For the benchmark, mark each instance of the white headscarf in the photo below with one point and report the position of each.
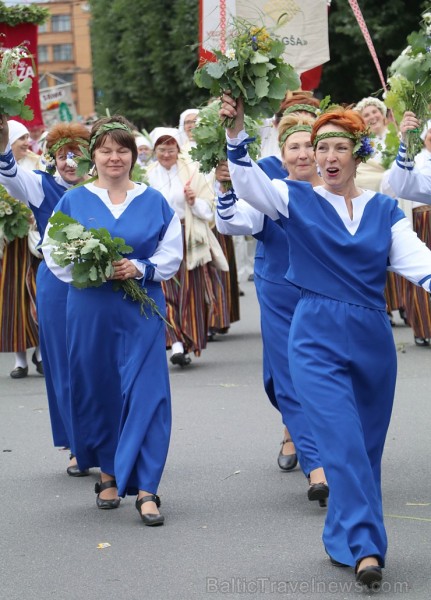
(16, 130)
(184, 138)
(143, 141)
(158, 132)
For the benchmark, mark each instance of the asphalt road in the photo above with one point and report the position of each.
(236, 526)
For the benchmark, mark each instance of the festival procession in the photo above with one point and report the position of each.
(262, 223)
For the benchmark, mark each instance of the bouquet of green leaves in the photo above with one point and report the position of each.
(210, 137)
(92, 252)
(410, 82)
(14, 219)
(14, 91)
(253, 68)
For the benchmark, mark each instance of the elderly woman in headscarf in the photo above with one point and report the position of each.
(369, 176)
(187, 123)
(18, 267)
(190, 295)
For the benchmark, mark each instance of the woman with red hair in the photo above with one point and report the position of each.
(41, 191)
(342, 239)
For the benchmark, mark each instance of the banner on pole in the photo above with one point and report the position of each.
(57, 104)
(301, 24)
(25, 34)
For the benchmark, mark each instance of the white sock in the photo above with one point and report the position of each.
(177, 347)
(20, 359)
(38, 354)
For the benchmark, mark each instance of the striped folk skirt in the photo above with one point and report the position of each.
(18, 320)
(226, 288)
(190, 307)
(417, 299)
(395, 291)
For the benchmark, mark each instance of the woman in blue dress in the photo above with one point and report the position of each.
(121, 412)
(41, 190)
(341, 240)
(277, 296)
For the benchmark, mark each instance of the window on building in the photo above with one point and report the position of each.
(62, 52)
(60, 23)
(43, 28)
(63, 78)
(42, 54)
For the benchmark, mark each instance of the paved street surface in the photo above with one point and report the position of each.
(236, 526)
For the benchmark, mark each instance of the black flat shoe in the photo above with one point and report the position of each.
(74, 470)
(286, 462)
(106, 504)
(38, 364)
(422, 341)
(181, 359)
(19, 372)
(318, 491)
(151, 520)
(370, 576)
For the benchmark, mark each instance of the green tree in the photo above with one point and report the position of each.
(351, 74)
(144, 56)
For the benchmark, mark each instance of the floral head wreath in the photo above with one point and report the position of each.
(291, 130)
(364, 147)
(49, 157)
(85, 162)
(301, 108)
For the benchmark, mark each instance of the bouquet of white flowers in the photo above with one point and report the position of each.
(410, 82)
(92, 252)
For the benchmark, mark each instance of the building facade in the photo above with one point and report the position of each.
(64, 52)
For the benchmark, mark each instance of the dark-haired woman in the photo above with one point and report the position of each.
(121, 412)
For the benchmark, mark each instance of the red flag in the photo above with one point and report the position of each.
(25, 34)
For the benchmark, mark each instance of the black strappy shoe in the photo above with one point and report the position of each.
(106, 504)
(75, 471)
(152, 520)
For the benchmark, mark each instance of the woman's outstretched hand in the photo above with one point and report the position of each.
(232, 109)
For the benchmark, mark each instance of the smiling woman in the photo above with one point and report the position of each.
(341, 241)
(121, 412)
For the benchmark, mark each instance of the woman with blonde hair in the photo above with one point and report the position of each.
(277, 297)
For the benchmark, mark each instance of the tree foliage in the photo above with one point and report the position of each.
(351, 74)
(144, 57)
(145, 54)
